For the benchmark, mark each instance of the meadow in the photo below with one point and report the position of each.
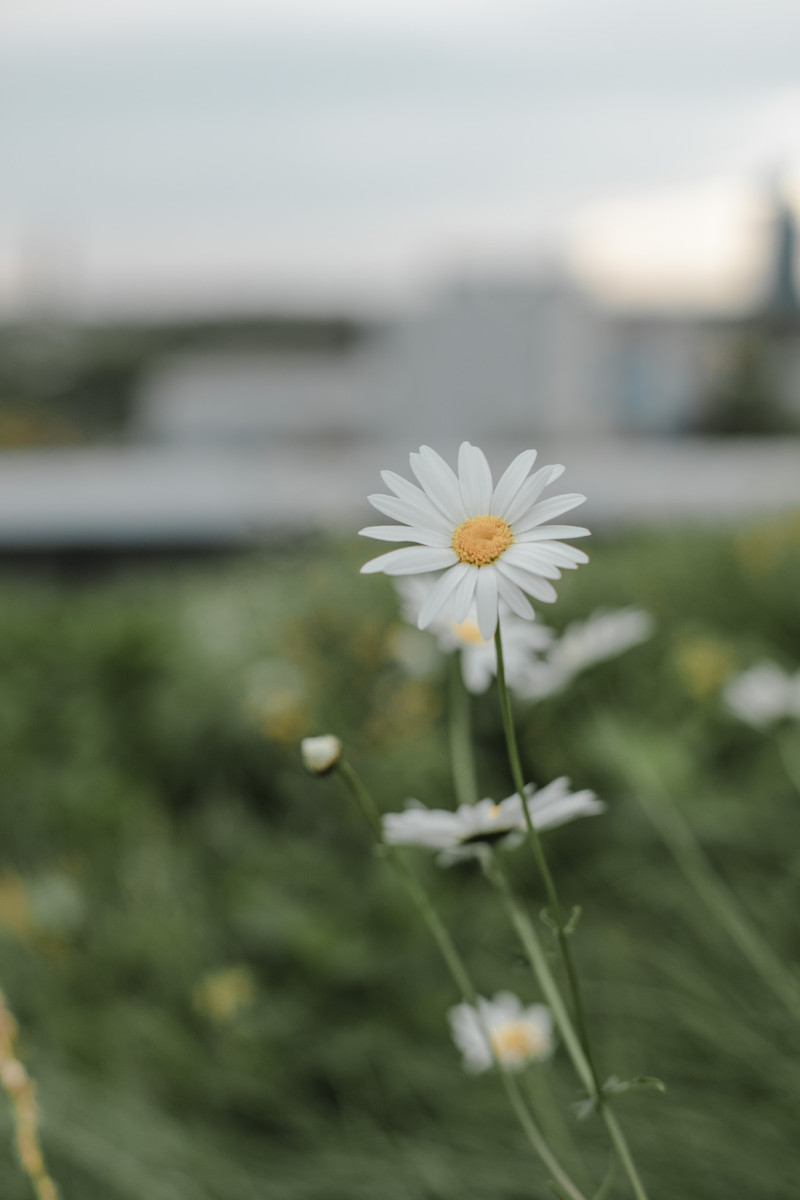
(222, 992)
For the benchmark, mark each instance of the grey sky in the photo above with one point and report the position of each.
(259, 147)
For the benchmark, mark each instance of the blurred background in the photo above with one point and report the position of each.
(250, 254)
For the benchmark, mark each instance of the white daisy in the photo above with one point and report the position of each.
(492, 543)
(502, 1028)
(467, 832)
(522, 639)
(764, 694)
(601, 636)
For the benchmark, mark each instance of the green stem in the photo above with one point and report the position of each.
(586, 1059)
(668, 821)
(462, 757)
(541, 862)
(526, 931)
(461, 977)
(788, 750)
(546, 1109)
(532, 946)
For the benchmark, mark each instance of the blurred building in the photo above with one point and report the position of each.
(233, 432)
(493, 357)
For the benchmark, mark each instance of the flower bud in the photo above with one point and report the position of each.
(13, 1076)
(321, 754)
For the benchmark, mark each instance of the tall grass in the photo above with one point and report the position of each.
(222, 996)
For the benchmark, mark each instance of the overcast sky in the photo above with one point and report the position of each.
(161, 151)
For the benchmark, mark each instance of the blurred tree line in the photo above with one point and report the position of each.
(63, 384)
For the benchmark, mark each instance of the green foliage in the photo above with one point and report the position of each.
(74, 383)
(223, 994)
(750, 399)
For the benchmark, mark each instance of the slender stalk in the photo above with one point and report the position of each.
(668, 821)
(461, 977)
(541, 862)
(535, 953)
(584, 1063)
(545, 1107)
(580, 1060)
(790, 757)
(22, 1093)
(462, 755)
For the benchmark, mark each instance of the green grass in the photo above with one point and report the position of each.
(159, 831)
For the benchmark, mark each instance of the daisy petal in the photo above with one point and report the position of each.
(533, 558)
(416, 496)
(440, 483)
(514, 597)
(486, 600)
(423, 516)
(559, 552)
(403, 533)
(551, 531)
(542, 512)
(440, 593)
(411, 560)
(511, 481)
(475, 480)
(533, 584)
(464, 595)
(530, 489)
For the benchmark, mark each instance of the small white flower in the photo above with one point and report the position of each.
(764, 694)
(320, 754)
(467, 832)
(522, 639)
(502, 1028)
(601, 636)
(492, 543)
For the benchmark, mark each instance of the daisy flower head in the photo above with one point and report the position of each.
(491, 542)
(603, 635)
(522, 639)
(502, 1029)
(473, 829)
(764, 694)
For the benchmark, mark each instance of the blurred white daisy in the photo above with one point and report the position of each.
(492, 543)
(522, 639)
(601, 636)
(473, 828)
(764, 694)
(502, 1028)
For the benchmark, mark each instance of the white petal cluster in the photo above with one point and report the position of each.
(320, 754)
(502, 1028)
(472, 828)
(603, 635)
(523, 640)
(432, 514)
(764, 694)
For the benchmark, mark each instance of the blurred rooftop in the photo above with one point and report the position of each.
(153, 498)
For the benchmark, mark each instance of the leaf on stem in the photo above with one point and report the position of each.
(640, 1083)
(546, 917)
(614, 1086)
(574, 917)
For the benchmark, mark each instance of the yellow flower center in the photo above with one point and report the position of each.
(467, 632)
(516, 1041)
(481, 540)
